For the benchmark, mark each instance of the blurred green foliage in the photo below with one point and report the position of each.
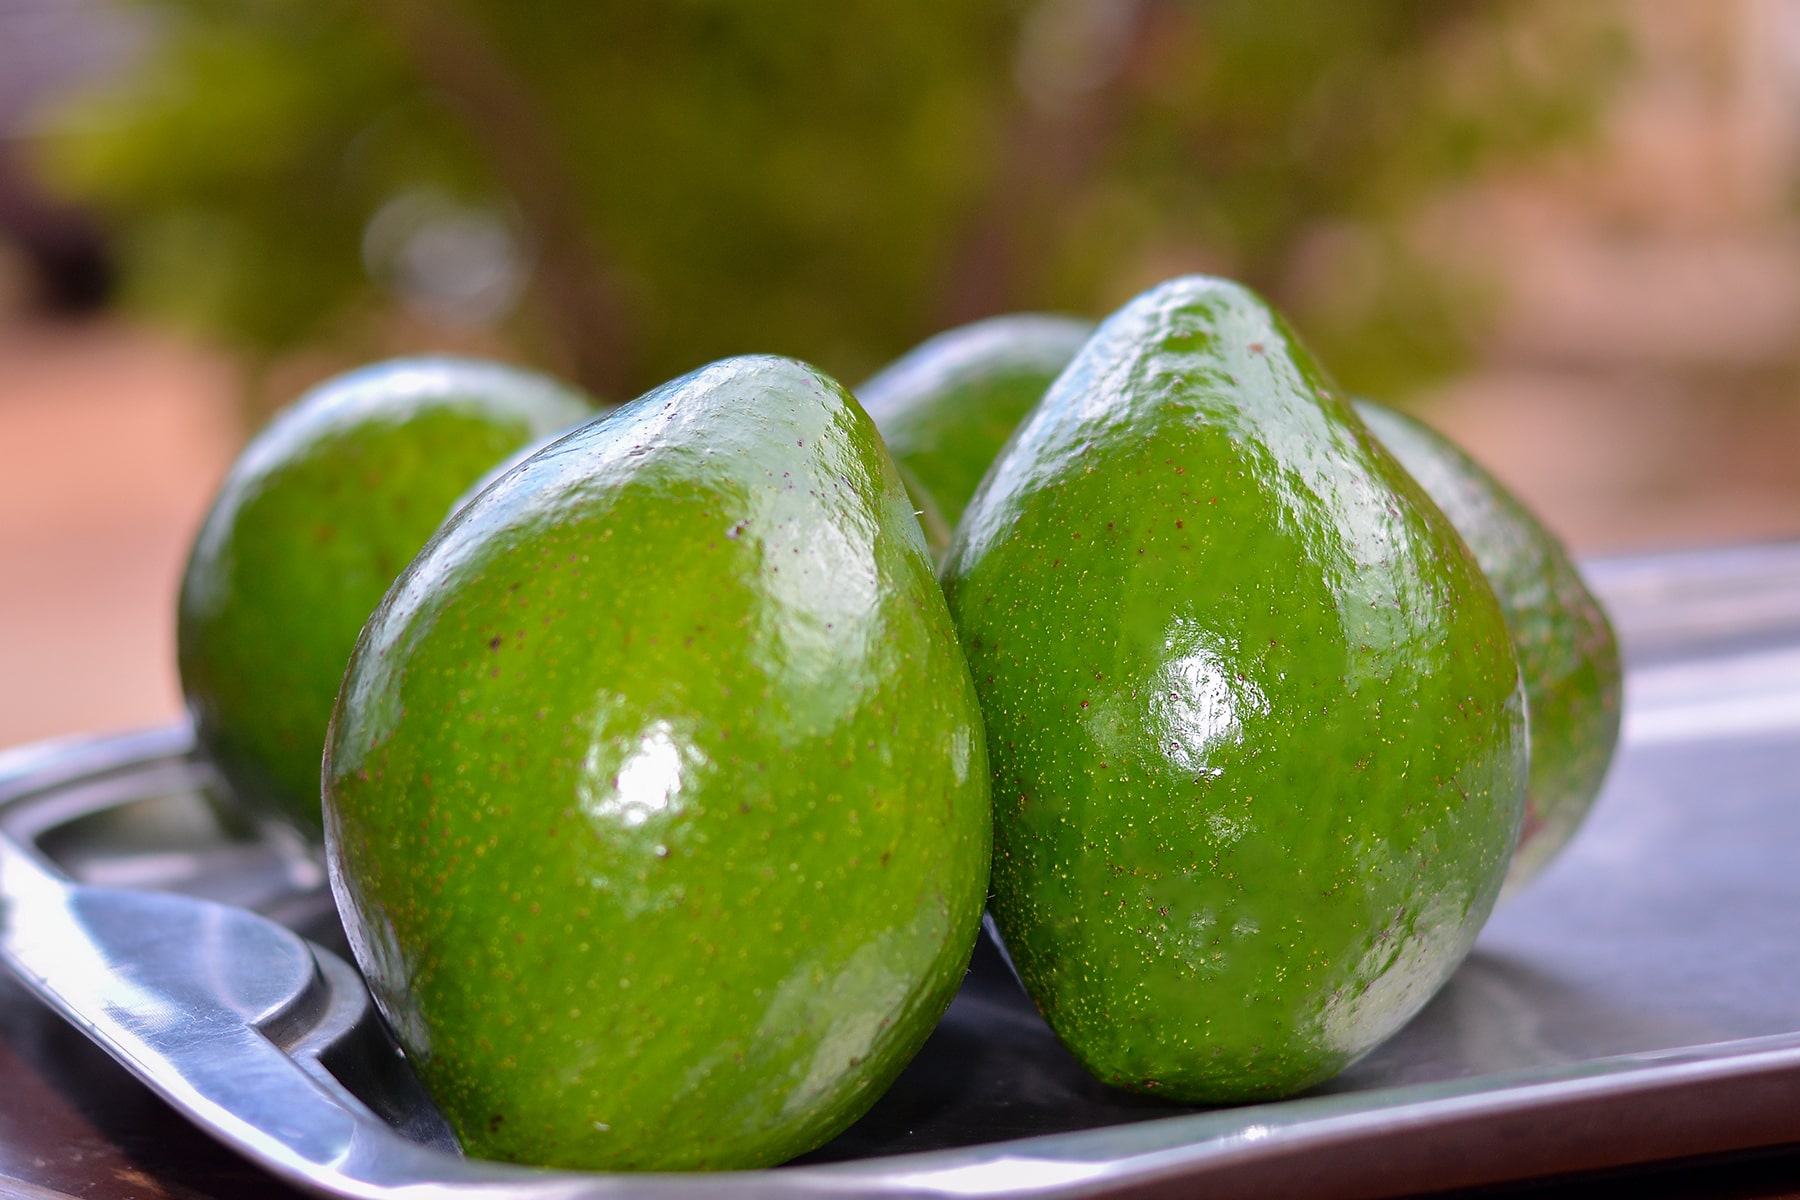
(694, 178)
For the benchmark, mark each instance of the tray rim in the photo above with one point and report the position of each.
(1361, 1143)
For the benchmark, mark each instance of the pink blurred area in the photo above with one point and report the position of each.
(1640, 382)
(112, 439)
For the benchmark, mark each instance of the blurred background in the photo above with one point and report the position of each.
(1567, 234)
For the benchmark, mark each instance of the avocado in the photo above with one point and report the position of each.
(948, 405)
(657, 795)
(1565, 643)
(311, 524)
(1256, 726)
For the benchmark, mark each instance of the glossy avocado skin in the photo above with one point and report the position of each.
(312, 523)
(1256, 727)
(948, 405)
(657, 800)
(1566, 646)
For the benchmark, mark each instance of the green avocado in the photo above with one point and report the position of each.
(656, 795)
(1256, 726)
(312, 523)
(949, 404)
(1566, 646)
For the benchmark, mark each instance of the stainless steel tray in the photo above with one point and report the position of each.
(1640, 1001)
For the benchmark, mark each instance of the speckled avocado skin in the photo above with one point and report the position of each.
(1565, 643)
(312, 523)
(657, 798)
(948, 405)
(1256, 725)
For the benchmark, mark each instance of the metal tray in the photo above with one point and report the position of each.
(1640, 1001)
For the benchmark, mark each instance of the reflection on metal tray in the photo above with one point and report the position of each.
(1641, 1000)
